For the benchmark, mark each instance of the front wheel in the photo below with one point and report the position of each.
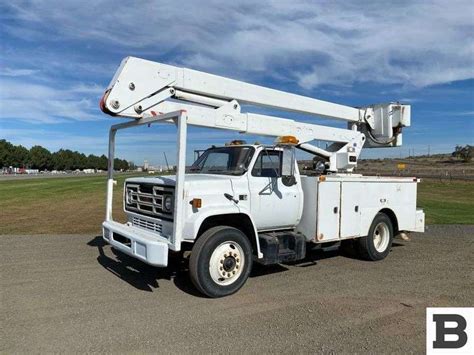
(378, 243)
(220, 261)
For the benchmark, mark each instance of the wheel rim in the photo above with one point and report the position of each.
(381, 237)
(226, 263)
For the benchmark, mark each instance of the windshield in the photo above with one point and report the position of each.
(225, 160)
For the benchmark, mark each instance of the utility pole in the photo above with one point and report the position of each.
(429, 150)
(166, 160)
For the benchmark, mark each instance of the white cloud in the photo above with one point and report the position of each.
(41, 103)
(83, 88)
(414, 43)
(17, 72)
(465, 113)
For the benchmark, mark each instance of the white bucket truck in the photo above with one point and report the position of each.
(245, 203)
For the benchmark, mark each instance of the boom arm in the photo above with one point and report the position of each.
(141, 88)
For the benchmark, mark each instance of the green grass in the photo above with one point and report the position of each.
(57, 205)
(447, 202)
(77, 204)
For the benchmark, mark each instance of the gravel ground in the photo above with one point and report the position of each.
(70, 293)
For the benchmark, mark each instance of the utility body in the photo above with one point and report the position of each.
(244, 203)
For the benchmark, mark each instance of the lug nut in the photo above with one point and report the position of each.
(115, 104)
(131, 86)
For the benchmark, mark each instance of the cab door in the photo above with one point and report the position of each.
(273, 204)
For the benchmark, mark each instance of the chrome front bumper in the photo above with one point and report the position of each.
(139, 243)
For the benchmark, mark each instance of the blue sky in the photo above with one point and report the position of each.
(57, 57)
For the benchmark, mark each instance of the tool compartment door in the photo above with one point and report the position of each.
(327, 221)
(351, 209)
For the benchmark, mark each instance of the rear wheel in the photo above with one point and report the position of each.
(377, 245)
(220, 261)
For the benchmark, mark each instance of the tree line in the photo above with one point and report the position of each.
(465, 153)
(41, 158)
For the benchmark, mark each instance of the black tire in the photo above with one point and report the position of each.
(221, 237)
(368, 247)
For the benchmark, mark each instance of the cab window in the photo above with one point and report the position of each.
(224, 160)
(268, 164)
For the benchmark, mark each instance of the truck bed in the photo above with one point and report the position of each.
(343, 206)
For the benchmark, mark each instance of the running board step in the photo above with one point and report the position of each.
(281, 247)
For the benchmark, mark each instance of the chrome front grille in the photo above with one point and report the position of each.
(147, 199)
(143, 223)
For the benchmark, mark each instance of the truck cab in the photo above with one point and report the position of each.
(254, 184)
(240, 182)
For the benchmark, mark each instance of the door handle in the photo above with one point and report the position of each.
(231, 198)
(335, 209)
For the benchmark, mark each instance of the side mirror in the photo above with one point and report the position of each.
(319, 167)
(288, 166)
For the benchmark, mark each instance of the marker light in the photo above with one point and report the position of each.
(196, 203)
(237, 142)
(286, 140)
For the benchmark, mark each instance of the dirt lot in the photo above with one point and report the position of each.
(70, 293)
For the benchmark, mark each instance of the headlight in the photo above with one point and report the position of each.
(167, 202)
(128, 196)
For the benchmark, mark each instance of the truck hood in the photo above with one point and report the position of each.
(170, 180)
(214, 190)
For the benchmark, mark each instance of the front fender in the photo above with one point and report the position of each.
(193, 223)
